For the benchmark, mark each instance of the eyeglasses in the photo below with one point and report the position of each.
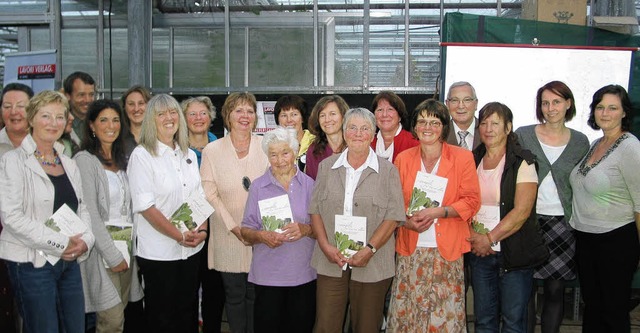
(465, 101)
(354, 129)
(193, 114)
(426, 123)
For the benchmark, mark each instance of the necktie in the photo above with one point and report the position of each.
(463, 141)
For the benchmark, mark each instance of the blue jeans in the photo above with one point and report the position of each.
(499, 295)
(50, 298)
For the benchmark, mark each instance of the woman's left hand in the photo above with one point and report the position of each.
(480, 245)
(361, 258)
(293, 231)
(195, 238)
(75, 248)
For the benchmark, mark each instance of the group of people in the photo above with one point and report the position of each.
(503, 208)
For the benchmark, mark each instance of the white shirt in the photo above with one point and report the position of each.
(381, 150)
(471, 130)
(353, 176)
(548, 202)
(428, 237)
(164, 181)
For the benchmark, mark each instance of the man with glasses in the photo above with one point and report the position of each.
(462, 104)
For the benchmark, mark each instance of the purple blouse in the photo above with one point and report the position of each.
(288, 265)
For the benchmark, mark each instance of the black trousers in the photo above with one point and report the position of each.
(285, 309)
(212, 295)
(171, 294)
(606, 264)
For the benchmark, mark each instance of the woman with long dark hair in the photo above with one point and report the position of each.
(107, 277)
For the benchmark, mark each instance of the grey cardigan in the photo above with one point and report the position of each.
(576, 149)
(99, 292)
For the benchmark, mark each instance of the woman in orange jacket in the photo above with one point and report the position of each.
(428, 291)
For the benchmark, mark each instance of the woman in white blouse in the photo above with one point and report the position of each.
(163, 174)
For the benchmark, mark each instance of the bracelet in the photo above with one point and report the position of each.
(206, 231)
(446, 212)
(181, 234)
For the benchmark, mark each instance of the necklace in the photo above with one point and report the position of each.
(55, 161)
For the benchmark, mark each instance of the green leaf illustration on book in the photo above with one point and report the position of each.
(479, 227)
(272, 223)
(419, 201)
(343, 243)
(183, 215)
(52, 225)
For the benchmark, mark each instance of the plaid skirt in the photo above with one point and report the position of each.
(427, 294)
(561, 241)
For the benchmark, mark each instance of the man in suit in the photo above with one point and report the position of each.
(463, 103)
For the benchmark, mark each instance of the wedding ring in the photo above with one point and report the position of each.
(73, 255)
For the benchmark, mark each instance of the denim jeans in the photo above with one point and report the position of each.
(50, 298)
(499, 295)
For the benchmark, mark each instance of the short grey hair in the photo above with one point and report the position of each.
(199, 99)
(360, 113)
(462, 84)
(280, 135)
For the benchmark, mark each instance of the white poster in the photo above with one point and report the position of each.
(36, 69)
(512, 76)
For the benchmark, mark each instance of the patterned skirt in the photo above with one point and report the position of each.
(427, 294)
(561, 241)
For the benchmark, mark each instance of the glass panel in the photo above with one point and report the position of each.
(348, 51)
(281, 57)
(79, 52)
(386, 48)
(40, 39)
(237, 52)
(160, 58)
(198, 58)
(119, 58)
(24, 7)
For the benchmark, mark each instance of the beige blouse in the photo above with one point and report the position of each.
(222, 172)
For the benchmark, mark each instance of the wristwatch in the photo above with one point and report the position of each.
(373, 248)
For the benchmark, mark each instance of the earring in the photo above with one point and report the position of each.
(93, 134)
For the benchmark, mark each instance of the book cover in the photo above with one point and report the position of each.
(275, 213)
(485, 220)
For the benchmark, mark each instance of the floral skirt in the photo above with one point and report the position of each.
(427, 294)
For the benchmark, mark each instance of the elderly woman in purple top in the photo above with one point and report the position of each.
(285, 282)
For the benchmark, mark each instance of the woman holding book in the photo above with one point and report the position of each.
(506, 242)
(163, 174)
(107, 277)
(37, 180)
(428, 292)
(278, 226)
(229, 166)
(357, 201)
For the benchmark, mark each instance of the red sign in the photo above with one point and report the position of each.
(45, 71)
